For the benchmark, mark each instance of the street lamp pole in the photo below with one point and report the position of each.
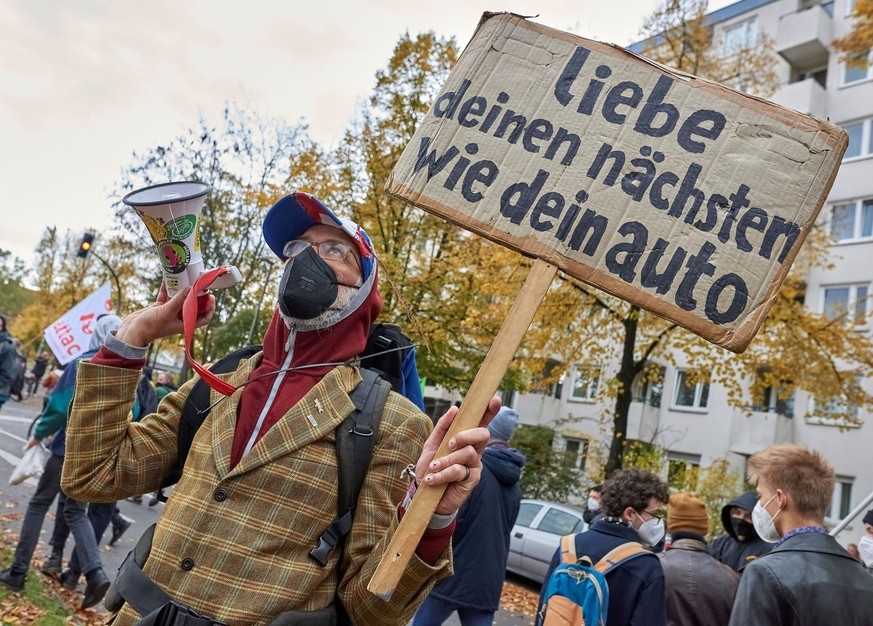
(114, 276)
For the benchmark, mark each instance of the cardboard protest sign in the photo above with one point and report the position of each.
(70, 335)
(677, 194)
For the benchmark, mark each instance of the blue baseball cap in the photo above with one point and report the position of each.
(294, 214)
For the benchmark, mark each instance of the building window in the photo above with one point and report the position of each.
(860, 138)
(683, 470)
(739, 37)
(836, 412)
(575, 453)
(586, 382)
(857, 70)
(846, 302)
(841, 502)
(852, 220)
(772, 402)
(688, 395)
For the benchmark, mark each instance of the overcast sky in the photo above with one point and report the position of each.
(85, 83)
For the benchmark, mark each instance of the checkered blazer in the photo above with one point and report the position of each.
(234, 544)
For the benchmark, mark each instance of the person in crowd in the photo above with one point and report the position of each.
(740, 544)
(8, 362)
(700, 590)
(594, 507)
(481, 543)
(16, 387)
(260, 481)
(40, 365)
(633, 508)
(75, 512)
(164, 385)
(808, 578)
(852, 549)
(865, 544)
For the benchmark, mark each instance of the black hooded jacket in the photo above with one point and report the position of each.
(731, 549)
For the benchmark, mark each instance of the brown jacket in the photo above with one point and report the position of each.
(700, 590)
(234, 544)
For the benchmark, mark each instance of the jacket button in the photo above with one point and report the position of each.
(187, 564)
(220, 495)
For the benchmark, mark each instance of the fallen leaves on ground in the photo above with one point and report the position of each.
(518, 599)
(16, 610)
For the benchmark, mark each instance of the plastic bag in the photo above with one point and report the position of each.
(31, 464)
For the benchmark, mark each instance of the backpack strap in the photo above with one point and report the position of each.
(568, 549)
(355, 439)
(619, 555)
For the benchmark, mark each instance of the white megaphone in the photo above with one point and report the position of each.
(171, 212)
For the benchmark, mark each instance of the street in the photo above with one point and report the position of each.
(16, 417)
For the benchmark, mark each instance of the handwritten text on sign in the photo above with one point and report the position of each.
(677, 194)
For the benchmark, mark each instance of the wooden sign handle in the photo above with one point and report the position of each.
(402, 546)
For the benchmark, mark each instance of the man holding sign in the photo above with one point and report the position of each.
(260, 483)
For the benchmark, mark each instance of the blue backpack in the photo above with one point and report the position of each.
(576, 592)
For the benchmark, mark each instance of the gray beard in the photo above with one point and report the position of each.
(330, 317)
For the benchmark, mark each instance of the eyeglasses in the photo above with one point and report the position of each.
(328, 250)
(658, 515)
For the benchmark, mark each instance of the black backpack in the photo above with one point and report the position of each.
(381, 371)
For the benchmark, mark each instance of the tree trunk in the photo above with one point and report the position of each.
(625, 378)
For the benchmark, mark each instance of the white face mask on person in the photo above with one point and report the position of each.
(651, 532)
(865, 548)
(764, 523)
(593, 504)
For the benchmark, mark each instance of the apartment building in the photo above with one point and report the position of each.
(694, 422)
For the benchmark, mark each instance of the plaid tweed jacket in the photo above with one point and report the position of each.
(234, 544)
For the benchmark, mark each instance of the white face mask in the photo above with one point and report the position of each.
(650, 532)
(593, 504)
(865, 547)
(764, 522)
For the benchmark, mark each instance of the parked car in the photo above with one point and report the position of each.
(537, 534)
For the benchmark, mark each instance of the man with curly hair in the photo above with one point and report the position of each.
(633, 507)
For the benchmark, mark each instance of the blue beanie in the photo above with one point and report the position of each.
(503, 425)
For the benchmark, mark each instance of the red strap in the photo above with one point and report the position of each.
(190, 310)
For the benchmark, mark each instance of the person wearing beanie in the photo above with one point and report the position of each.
(740, 543)
(481, 542)
(236, 537)
(503, 426)
(700, 590)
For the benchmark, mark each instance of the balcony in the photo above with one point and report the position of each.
(803, 37)
(757, 430)
(806, 96)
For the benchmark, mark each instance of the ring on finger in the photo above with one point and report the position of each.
(467, 475)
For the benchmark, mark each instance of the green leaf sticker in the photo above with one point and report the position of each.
(181, 227)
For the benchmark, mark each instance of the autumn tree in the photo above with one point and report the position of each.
(678, 34)
(856, 44)
(62, 280)
(250, 163)
(13, 293)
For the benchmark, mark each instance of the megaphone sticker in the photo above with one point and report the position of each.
(174, 255)
(181, 227)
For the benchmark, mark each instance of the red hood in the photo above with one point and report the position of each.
(339, 343)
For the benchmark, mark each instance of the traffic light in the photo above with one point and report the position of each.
(85, 246)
